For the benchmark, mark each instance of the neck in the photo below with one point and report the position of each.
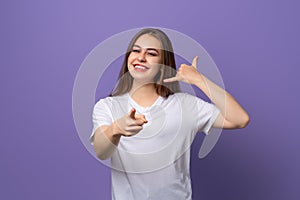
(142, 90)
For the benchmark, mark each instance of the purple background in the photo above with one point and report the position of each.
(254, 44)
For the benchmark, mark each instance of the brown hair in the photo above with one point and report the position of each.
(168, 64)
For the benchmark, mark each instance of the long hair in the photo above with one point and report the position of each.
(168, 67)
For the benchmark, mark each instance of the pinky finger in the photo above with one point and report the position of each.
(168, 80)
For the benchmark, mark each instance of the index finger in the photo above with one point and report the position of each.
(142, 117)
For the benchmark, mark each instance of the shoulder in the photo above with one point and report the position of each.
(108, 101)
(179, 97)
(189, 100)
(185, 96)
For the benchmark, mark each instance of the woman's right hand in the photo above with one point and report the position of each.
(130, 124)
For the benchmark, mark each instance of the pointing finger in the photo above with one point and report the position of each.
(194, 63)
(142, 117)
(139, 122)
(145, 120)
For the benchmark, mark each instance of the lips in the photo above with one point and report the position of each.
(139, 67)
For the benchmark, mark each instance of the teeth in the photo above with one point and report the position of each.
(140, 67)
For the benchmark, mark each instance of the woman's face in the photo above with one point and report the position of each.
(144, 59)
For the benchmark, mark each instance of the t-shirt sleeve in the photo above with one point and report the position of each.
(206, 115)
(101, 116)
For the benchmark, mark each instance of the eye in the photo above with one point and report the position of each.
(136, 50)
(152, 54)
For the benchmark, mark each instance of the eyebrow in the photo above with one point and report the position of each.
(135, 45)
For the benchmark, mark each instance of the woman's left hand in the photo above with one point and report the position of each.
(187, 73)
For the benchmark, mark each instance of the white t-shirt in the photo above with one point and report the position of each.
(155, 163)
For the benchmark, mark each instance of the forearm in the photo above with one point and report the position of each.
(231, 110)
(106, 140)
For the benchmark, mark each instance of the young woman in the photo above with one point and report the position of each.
(146, 126)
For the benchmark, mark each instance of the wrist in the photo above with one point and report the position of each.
(198, 80)
(116, 131)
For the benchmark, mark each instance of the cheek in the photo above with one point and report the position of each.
(155, 69)
(131, 56)
(129, 60)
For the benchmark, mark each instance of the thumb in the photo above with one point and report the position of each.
(194, 63)
(132, 113)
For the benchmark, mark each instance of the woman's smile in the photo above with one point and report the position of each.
(140, 68)
(145, 58)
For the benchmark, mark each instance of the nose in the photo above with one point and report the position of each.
(141, 56)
